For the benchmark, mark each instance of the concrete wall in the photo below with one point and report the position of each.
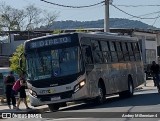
(158, 39)
(10, 48)
(4, 61)
(158, 44)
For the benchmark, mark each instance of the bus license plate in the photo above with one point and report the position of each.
(55, 98)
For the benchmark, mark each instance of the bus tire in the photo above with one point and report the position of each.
(129, 92)
(53, 107)
(102, 94)
(63, 104)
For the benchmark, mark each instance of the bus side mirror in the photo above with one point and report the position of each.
(20, 62)
(24, 54)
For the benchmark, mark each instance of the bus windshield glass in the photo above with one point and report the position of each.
(53, 63)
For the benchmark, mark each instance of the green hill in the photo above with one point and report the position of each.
(114, 23)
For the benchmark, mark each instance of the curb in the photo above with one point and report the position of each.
(70, 103)
(43, 110)
(138, 89)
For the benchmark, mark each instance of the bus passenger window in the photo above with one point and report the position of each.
(131, 53)
(113, 52)
(87, 54)
(97, 53)
(136, 51)
(125, 51)
(119, 51)
(105, 51)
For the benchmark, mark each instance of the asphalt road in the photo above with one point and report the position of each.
(143, 104)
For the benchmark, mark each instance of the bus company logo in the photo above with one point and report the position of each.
(6, 115)
(52, 85)
(51, 91)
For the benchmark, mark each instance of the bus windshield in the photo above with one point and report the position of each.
(53, 63)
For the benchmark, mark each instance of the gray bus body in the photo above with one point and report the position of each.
(72, 67)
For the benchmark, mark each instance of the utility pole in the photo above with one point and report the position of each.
(106, 19)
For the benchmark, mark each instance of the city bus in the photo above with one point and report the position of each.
(80, 67)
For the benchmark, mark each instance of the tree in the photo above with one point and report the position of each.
(49, 18)
(10, 17)
(33, 18)
(28, 18)
(80, 30)
(14, 60)
(57, 31)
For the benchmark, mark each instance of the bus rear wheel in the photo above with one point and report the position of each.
(53, 107)
(129, 92)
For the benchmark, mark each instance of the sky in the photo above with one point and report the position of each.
(96, 12)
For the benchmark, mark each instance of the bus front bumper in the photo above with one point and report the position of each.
(69, 96)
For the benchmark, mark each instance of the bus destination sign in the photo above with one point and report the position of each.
(49, 42)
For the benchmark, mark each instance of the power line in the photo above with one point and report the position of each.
(131, 14)
(139, 5)
(150, 13)
(67, 6)
(156, 19)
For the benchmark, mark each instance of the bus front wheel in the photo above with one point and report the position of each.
(53, 107)
(102, 97)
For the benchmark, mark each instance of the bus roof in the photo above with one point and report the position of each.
(44, 37)
(38, 42)
(109, 36)
(91, 34)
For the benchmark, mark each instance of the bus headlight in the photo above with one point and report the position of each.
(79, 85)
(33, 93)
(82, 83)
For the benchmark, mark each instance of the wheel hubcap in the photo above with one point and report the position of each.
(130, 88)
(100, 94)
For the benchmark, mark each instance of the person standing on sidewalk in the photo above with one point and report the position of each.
(22, 93)
(155, 73)
(9, 82)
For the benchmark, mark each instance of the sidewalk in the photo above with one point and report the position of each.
(149, 86)
(22, 107)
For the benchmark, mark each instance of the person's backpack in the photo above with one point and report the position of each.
(16, 86)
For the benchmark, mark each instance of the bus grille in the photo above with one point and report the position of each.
(63, 95)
